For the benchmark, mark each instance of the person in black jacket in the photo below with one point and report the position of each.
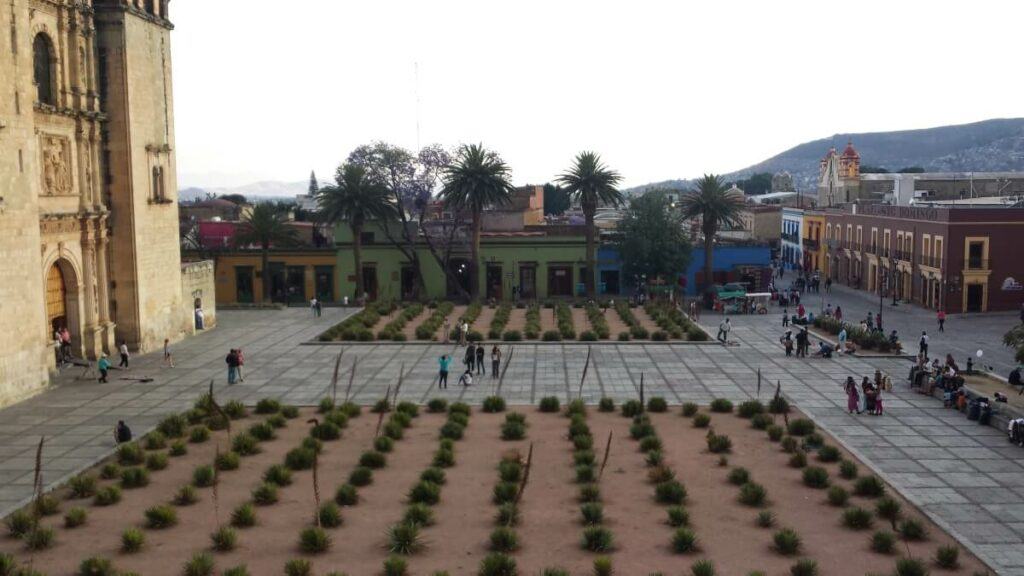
(480, 351)
(470, 356)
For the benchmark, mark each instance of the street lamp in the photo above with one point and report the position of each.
(892, 266)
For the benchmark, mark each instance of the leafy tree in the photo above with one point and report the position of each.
(759, 183)
(265, 225)
(592, 183)
(911, 170)
(868, 169)
(556, 200)
(478, 178)
(716, 208)
(652, 239)
(314, 186)
(236, 198)
(354, 199)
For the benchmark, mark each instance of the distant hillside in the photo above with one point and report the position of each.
(266, 190)
(987, 146)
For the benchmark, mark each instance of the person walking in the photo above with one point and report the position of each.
(495, 361)
(319, 308)
(723, 331)
(123, 351)
(104, 367)
(828, 285)
(941, 317)
(923, 345)
(470, 358)
(839, 313)
(232, 361)
(312, 306)
(785, 317)
(442, 378)
(480, 351)
(465, 331)
(842, 339)
(168, 359)
(852, 397)
(787, 342)
(241, 363)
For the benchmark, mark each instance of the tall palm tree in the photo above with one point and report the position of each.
(355, 198)
(265, 225)
(591, 183)
(716, 207)
(476, 179)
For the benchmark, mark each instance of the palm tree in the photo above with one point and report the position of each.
(476, 179)
(354, 198)
(716, 207)
(265, 225)
(591, 183)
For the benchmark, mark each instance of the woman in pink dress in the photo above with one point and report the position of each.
(852, 395)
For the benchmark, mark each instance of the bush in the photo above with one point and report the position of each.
(789, 444)
(749, 409)
(82, 486)
(606, 404)
(95, 566)
(39, 538)
(173, 426)
(752, 494)
(689, 409)
(107, 496)
(493, 404)
(437, 405)
(719, 444)
(775, 432)
(677, 516)
(778, 405)
(869, 487)
(800, 427)
(650, 443)
(185, 496)
(590, 493)
(592, 513)
(155, 441)
(857, 518)
(433, 474)
(161, 516)
(847, 469)
(505, 492)
(623, 337)
(551, 336)
(659, 474)
(130, 455)
(508, 514)
(325, 431)
(404, 538)
(549, 404)
(701, 421)
(910, 567)
(828, 453)
(452, 430)
(739, 476)
(235, 410)
(199, 434)
(497, 564)
(510, 471)
(911, 529)
(702, 568)
(298, 567)
(201, 564)
(278, 474)
(314, 540)
(883, 542)
(277, 421)
(657, 404)
(632, 408)
(425, 493)
(244, 516)
(203, 476)
(346, 495)
(815, 477)
(947, 557)
(227, 461)
(888, 508)
(721, 405)
(798, 459)
(289, 411)
(684, 540)
(351, 409)
(268, 406)
(813, 441)
(443, 458)
(838, 496)
(73, 518)
(512, 336)
(239, 570)
(504, 539)
(761, 421)
(597, 539)
(786, 542)
(134, 478)
(373, 460)
(765, 519)
(383, 444)
(805, 567)
(224, 539)
(419, 514)
(265, 494)
(670, 492)
(300, 458)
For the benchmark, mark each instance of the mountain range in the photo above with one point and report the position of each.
(988, 146)
(266, 190)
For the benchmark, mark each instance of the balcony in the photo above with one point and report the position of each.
(903, 255)
(977, 264)
(932, 261)
(811, 244)
(789, 237)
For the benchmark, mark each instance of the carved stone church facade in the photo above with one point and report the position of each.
(88, 215)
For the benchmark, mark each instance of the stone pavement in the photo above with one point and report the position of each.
(965, 334)
(967, 477)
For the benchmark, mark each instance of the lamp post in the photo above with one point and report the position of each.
(892, 266)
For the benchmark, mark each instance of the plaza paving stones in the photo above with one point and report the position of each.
(966, 477)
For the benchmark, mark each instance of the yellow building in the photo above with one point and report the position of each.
(295, 275)
(813, 241)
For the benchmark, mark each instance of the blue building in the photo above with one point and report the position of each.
(731, 263)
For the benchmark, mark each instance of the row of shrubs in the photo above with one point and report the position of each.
(504, 540)
(598, 323)
(563, 318)
(672, 321)
(636, 331)
(867, 339)
(358, 327)
(429, 327)
(393, 330)
(532, 328)
(500, 320)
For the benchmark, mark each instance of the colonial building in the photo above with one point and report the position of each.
(791, 252)
(839, 177)
(88, 214)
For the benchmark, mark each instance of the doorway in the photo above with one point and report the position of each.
(243, 285)
(975, 297)
(459, 269)
(609, 282)
(528, 281)
(408, 283)
(324, 283)
(370, 285)
(62, 301)
(559, 280)
(494, 281)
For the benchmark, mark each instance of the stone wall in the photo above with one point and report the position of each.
(198, 290)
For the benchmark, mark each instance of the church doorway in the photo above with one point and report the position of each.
(61, 301)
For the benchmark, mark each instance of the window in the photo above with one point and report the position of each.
(937, 245)
(149, 7)
(43, 65)
(976, 255)
(366, 237)
(158, 184)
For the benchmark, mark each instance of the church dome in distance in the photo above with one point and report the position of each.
(850, 152)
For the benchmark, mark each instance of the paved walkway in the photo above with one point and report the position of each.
(965, 476)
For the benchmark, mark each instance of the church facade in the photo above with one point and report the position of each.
(839, 177)
(88, 212)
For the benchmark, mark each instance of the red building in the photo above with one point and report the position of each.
(962, 259)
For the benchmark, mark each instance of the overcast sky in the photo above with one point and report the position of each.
(268, 90)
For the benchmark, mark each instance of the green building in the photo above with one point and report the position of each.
(537, 261)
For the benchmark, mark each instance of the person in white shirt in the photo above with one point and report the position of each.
(123, 351)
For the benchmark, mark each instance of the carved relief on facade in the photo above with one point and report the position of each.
(53, 226)
(56, 165)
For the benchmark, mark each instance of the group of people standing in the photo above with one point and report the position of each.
(867, 398)
(473, 360)
(235, 361)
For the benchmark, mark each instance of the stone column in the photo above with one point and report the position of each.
(90, 332)
(103, 292)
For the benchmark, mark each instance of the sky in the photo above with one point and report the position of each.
(265, 91)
